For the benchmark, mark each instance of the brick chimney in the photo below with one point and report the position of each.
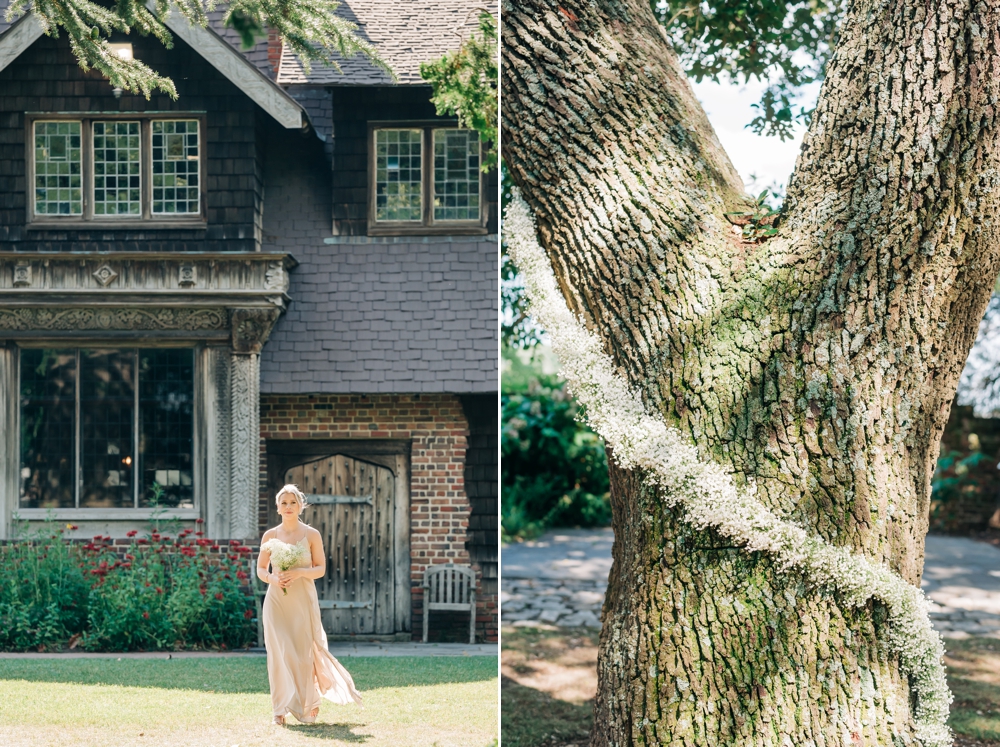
(273, 52)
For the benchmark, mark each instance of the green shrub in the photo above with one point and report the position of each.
(164, 594)
(554, 470)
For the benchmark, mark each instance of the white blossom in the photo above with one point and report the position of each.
(709, 497)
(285, 556)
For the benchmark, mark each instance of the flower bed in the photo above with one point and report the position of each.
(162, 592)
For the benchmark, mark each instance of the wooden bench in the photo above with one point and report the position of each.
(450, 587)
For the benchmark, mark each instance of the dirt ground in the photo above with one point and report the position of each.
(549, 681)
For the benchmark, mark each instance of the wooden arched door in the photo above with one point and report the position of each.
(351, 504)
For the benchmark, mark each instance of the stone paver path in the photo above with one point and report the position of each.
(962, 580)
(560, 579)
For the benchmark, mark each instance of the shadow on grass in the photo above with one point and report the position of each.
(531, 718)
(973, 666)
(340, 732)
(244, 675)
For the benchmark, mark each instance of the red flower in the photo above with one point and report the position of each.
(204, 542)
(199, 534)
(98, 536)
(248, 615)
(241, 576)
(156, 535)
(245, 550)
(126, 565)
(203, 590)
(129, 557)
(132, 533)
(73, 526)
(145, 615)
(218, 595)
(142, 541)
(159, 590)
(234, 543)
(228, 576)
(199, 521)
(188, 551)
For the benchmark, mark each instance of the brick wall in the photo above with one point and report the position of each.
(439, 508)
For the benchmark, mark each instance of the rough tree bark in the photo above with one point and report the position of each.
(821, 362)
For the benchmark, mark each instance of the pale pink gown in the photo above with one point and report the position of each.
(300, 668)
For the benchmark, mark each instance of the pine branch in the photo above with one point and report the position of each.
(309, 27)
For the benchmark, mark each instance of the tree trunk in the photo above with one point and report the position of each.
(820, 363)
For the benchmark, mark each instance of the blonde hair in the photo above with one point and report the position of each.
(300, 497)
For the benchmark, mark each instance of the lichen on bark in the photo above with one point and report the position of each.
(818, 366)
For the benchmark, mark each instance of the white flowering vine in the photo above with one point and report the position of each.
(707, 495)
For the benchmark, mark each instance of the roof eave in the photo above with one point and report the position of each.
(212, 47)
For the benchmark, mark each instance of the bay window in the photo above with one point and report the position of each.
(106, 428)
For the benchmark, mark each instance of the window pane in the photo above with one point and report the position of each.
(58, 182)
(175, 166)
(107, 387)
(456, 175)
(116, 168)
(398, 175)
(48, 408)
(166, 426)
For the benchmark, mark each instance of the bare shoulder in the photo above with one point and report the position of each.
(269, 535)
(313, 535)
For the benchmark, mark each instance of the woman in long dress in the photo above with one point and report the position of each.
(300, 668)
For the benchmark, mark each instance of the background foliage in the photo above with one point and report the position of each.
(466, 84)
(554, 471)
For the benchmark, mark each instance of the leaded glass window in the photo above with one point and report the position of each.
(175, 166)
(398, 183)
(107, 428)
(58, 168)
(48, 424)
(456, 175)
(107, 413)
(117, 190)
(166, 427)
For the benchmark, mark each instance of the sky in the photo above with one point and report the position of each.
(729, 110)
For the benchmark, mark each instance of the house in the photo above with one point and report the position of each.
(278, 277)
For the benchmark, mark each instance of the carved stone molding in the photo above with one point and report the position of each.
(54, 318)
(244, 444)
(22, 275)
(186, 276)
(275, 277)
(105, 275)
(251, 328)
(244, 279)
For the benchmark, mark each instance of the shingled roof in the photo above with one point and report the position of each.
(406, 33)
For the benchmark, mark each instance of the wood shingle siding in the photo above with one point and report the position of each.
(351, 110)
(45, 78)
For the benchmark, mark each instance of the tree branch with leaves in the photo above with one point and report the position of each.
(310, 28)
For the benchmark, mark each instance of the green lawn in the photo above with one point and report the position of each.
(432, 701)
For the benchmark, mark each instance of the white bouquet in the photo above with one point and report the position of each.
(285, 556)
